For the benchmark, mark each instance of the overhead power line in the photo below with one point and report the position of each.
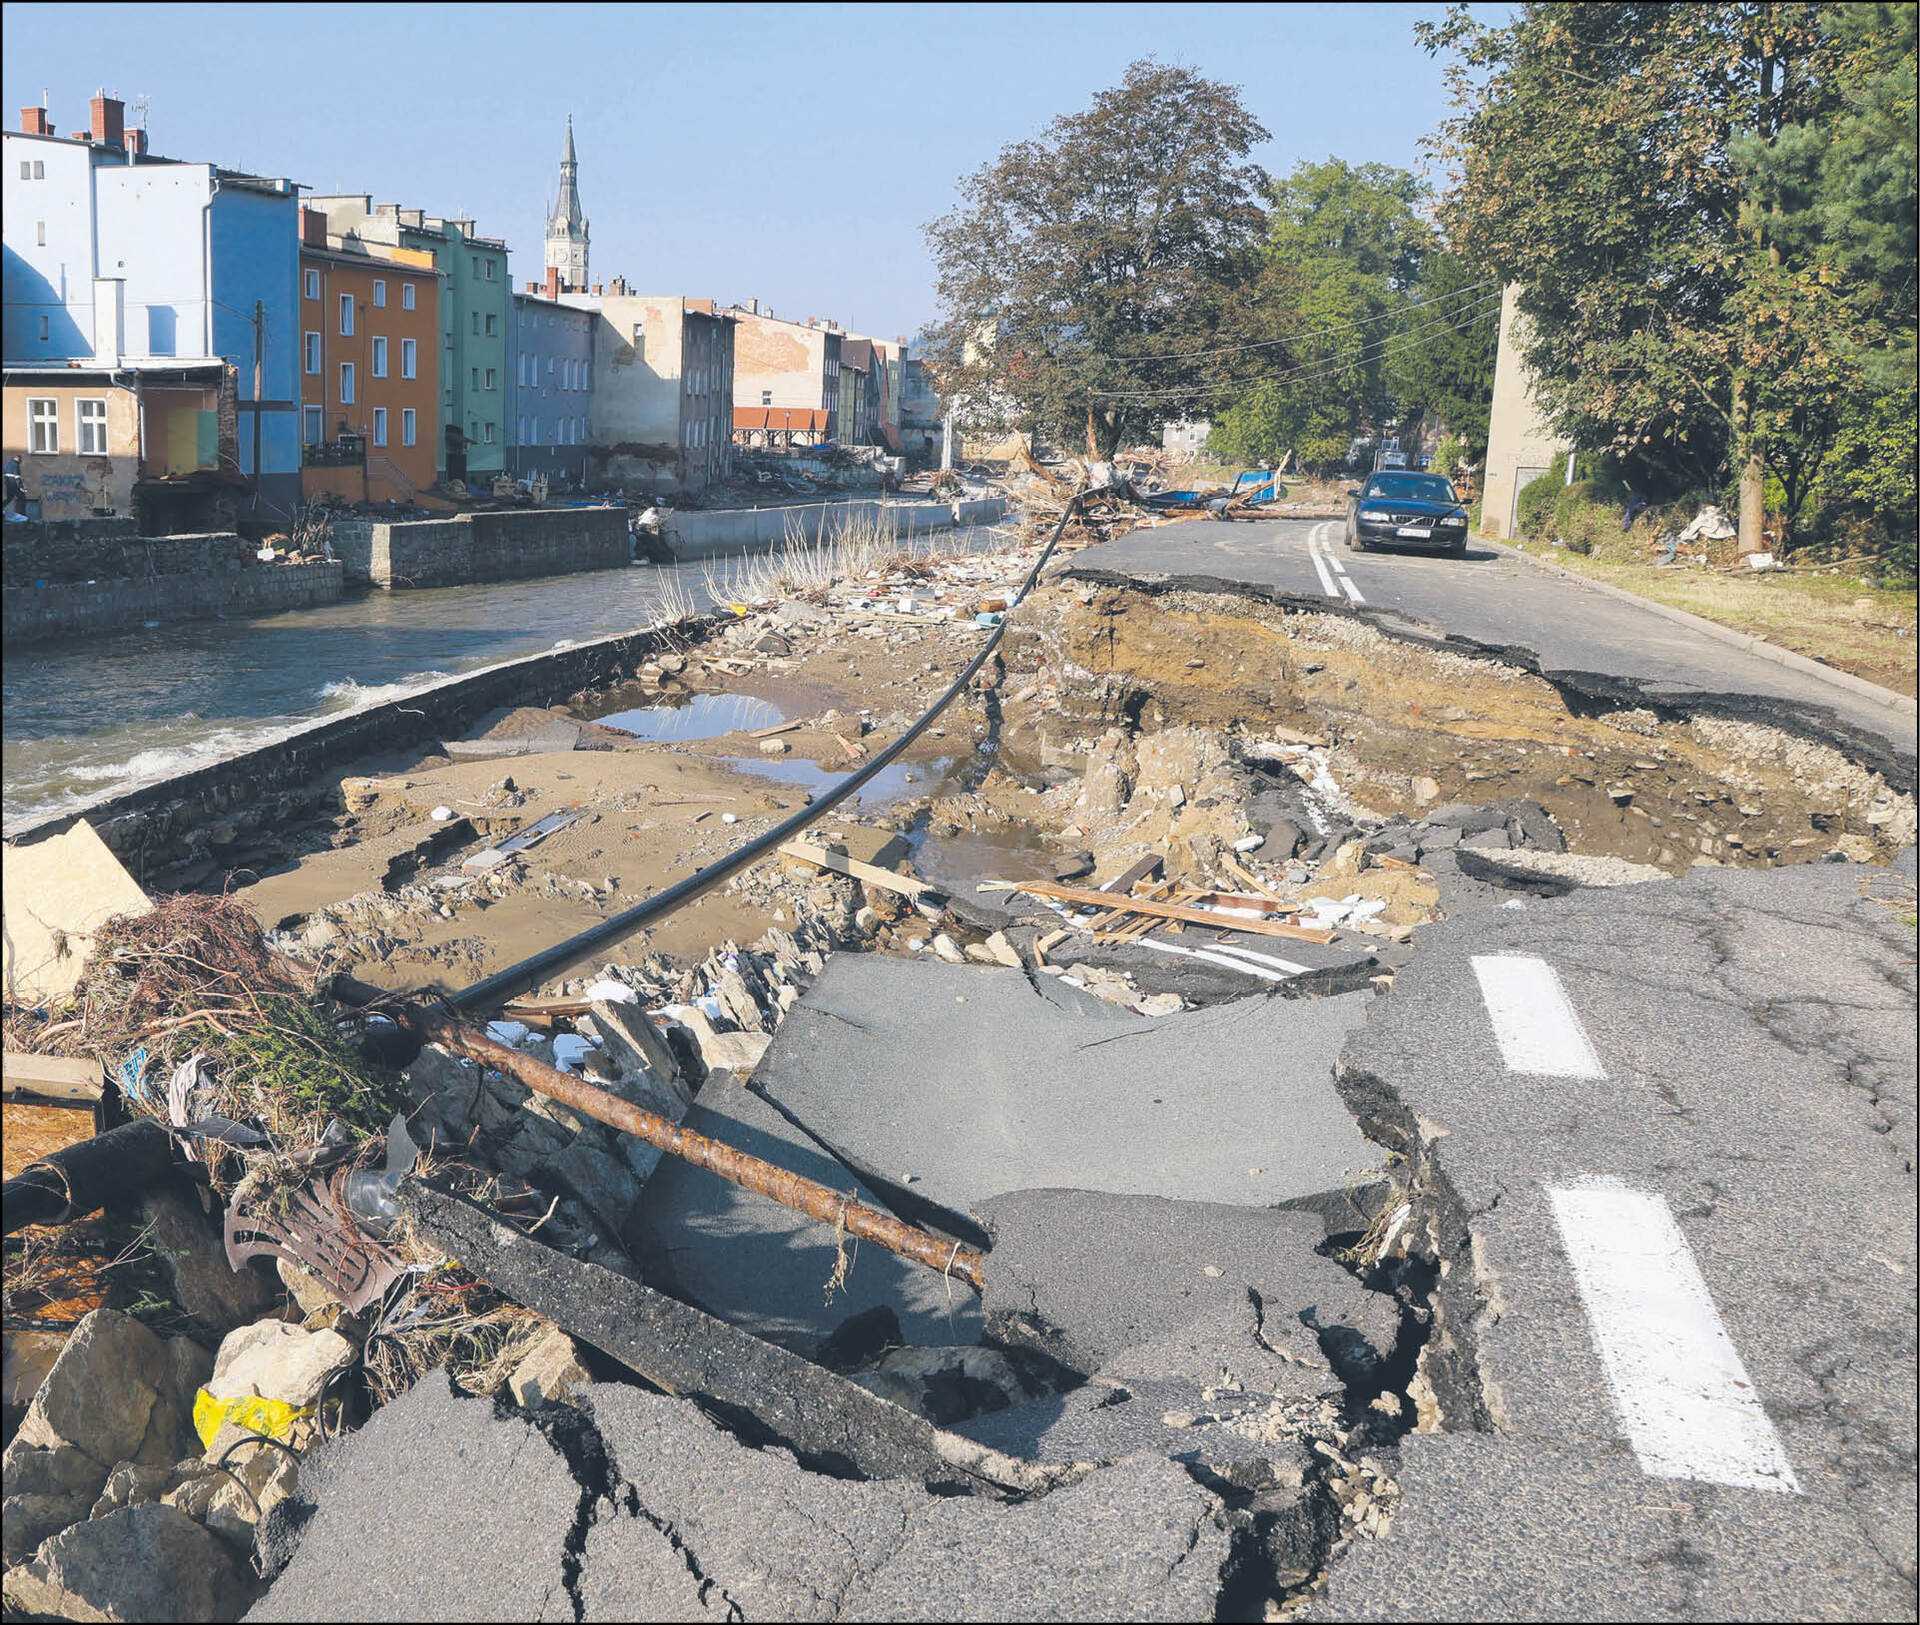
(1325, 366)
(1435, 302)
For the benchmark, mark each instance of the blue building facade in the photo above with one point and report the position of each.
(549, 389)
(208, 260)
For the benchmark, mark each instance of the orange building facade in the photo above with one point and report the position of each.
(369, 369)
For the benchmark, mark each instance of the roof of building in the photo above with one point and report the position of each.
(87, 366)
(856, 353)
(567, 217)
(807, 419)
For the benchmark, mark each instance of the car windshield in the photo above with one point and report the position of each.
(1411, 488)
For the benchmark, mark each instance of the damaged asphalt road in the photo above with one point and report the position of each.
(1674, 1192)
(1504, 604)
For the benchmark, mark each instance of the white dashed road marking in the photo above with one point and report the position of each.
(1538, 1028)
(1683, 1397)
(1320, 564)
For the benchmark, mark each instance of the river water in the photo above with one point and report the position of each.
(106, 713)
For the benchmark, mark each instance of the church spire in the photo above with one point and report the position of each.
(567, 224)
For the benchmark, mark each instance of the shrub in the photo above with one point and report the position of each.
(1535, 508)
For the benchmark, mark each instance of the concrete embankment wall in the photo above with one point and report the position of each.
(85, 577)
(503, 546)
(158, 827)
(704, 533)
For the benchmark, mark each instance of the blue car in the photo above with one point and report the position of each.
(1403, 509)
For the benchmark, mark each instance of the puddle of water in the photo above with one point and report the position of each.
(699, 716)
(958, 863)
(899, 781)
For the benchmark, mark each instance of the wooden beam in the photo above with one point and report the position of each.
(53, 1077)
(1165, 911)
(853, 868)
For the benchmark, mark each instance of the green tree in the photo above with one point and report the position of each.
(1653, 176)
(1088, 276)
(1345, 247)
(1440, 362)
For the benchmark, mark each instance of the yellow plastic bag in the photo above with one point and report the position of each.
(272, 1417)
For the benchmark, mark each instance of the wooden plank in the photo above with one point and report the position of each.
(1165, 911)
(777, 728)
(1246, 877)
(53, 1077)
(871, 874)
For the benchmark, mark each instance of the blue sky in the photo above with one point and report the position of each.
(788, 152)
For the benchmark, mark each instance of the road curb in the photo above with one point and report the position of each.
(1753, 644)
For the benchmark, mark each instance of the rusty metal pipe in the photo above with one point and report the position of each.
(803, 1195)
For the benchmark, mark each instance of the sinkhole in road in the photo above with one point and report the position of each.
(1410, 725)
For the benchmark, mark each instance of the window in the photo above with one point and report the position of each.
(313, 425)
(476, 263)
(489, 434)
(379, 357)
(476, 324)
(406, 296)
(534, 438)
(639, 342)
(39, 170)
(492, 326)
(40, 232)
(312, 278)
(409, 357)
(310, 351)
(346, 313)
(550, 367)
(489, 266)
(379, 425)
(45, 330)
(346, 383)
(379, 294)
(406, 426)
(766, 397)
(91, 419)
(493, 379)
(43, 425)
(476, 379)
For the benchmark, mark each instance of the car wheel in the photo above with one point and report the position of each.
(1458, 550)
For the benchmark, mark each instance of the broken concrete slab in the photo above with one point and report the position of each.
(765, 1540)
(760, 1265)
(438, 1508)
(1197, 1292)
(56, 893)
(883, 1063)
(769, 1392)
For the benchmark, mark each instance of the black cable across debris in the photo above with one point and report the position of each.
(497, 987)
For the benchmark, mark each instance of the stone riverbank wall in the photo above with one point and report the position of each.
(74, 578)
(502, 546)
(707, 533)
(162, 829)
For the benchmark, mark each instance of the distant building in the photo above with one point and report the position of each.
(785, 363)
(567, 224)
(549, 385)
(169, 275)
(921, 411)
(474, 319)
(1186, 436)
(861, 392)
(661, 414)
(1521, 444)
(369, 368)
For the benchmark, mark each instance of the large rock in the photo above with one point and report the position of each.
(118, 1392)
(277, 1361)
(550, 1371)
(205, 1285)
(140, 1563)
(25, 1359)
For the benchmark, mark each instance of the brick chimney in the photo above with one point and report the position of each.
(313, 228)
(552, 289)
(34, 121)
(109, 120)
(136, 143)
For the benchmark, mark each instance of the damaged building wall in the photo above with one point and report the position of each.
(783, 363)
(500, 546)
(661, 408)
